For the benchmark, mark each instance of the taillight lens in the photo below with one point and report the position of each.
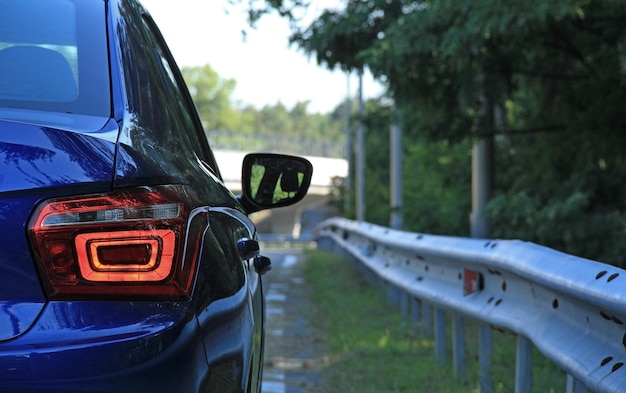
(137, 243)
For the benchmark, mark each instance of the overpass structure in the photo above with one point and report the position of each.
(293, 220)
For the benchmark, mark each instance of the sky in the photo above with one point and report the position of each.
(266, 69)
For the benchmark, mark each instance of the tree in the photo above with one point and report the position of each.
(212, 96)
(552, 75)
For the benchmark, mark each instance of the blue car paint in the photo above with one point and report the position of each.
(70, 333)
(36, 157)
(96, 346)
(34, 160)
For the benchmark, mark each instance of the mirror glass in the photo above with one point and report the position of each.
(277, 180)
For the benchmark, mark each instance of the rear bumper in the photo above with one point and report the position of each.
(107, 347)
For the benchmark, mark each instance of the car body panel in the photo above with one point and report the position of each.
(94, 125)
(228, 299)
(35, 157)
(38, 158)
(134, 346)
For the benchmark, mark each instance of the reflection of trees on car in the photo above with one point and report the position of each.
(275, 181)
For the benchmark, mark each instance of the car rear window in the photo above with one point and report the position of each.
(53, 56)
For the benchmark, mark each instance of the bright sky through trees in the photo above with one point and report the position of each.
(265, 68)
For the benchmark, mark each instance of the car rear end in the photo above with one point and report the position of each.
(95, 281)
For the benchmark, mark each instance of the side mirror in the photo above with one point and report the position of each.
(273, 180)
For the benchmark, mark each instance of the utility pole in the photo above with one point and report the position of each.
(360, 157)
(349, 156)
(482, 185)
(396, 185)
(482, 172)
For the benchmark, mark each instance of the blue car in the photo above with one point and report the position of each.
(126, 265)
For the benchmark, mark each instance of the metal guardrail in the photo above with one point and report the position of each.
(571, 309)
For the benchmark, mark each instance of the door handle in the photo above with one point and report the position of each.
(262, 264)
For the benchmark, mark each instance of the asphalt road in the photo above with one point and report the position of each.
(294, 350)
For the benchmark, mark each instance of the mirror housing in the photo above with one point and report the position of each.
(270, 180)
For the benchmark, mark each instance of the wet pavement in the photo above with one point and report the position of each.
(294, 350)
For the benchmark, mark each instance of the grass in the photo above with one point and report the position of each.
(373, 348)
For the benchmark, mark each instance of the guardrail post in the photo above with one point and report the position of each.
(485, 351)
(458, 346)
(393, 294)
(327, 244)
(415, 313)
(523, 365)
(440, 335)
(574, 386)
(427, 319)
(387, 289)
(404, 302)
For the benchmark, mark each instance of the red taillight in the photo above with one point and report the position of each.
(126, 244)
(126, 255)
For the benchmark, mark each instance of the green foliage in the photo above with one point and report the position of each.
(438, 187)
(580, 212)
(218, 111)
(376, 129)
(371, 348)
(212, 96)
(436, 177)
(548, 77)
(340, 38)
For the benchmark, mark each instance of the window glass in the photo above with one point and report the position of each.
(53, 56)
(156, 90)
